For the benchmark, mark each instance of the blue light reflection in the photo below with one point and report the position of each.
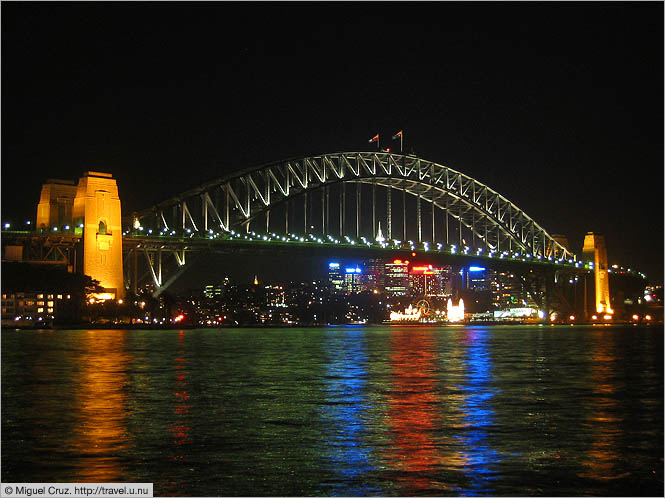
(481, 458)
(347, 411)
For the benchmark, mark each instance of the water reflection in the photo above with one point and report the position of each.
(101, 406)
(413, 412)
(602, 460)
(347, 407)
(179, 428)
(376, 411)
(478, 391)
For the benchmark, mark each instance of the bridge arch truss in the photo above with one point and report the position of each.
(326, 194)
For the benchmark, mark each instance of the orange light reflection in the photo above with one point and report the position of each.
(101, 406)
(602, 457)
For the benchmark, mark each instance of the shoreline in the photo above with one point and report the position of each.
(112, 326)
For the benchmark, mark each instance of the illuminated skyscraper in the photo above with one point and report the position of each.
(476, 278)
(353, 280)
(508, 291)
(336, 277)
(397, 278)
(374, 275)
(217, 291)
(427, 280)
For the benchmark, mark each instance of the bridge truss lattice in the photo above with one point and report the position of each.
(351, 193)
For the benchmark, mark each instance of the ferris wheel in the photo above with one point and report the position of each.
(423, 306)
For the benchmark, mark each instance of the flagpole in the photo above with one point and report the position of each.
(400, 134)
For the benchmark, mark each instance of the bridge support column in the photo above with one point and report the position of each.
(135, 271)
(373, 209)
(97, 207)
(459, 214)
(549, 284)
(327, 189)
(447, 215)
(323, 211)
(358, 193)
(389, 214)
(595, 250)
(419, 219)
(204, 210)
(403, 210)
(342, 209)
(487, 246)
(433, 220)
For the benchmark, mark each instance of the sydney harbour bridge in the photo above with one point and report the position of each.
(366, 204)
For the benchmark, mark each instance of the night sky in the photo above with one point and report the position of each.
(557, 106)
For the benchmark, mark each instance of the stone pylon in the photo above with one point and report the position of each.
(595, 250)
(97, 207)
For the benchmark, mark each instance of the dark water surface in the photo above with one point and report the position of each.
(350, 411)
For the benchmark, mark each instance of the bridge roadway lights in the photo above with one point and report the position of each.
(308, 244)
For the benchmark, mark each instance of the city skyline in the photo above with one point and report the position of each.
(549, 109)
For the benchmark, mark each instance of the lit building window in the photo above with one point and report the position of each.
(50, 296)
(59, 296)
(40, 296)
(40, 310)
(50, 303)
(50, 310)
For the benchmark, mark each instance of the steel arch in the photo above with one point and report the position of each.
(235, 200)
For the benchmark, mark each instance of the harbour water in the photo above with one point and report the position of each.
(339, 411)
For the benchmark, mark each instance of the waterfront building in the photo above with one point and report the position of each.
(374, 275)
(475, 278)
(353, 280)
(209, 291)
(31, 308)
(275, 296)
(429, 281)
(335, 277)
(216, 291)
(508, 291)
(397, 278)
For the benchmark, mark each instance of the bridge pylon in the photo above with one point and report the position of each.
(97, 208)
(89, 211)
(594, 249)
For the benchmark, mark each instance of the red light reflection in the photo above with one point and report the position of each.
(412, 409)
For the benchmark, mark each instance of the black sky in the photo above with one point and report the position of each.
(558, 106)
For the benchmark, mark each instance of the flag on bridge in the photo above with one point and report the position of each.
(375, 138)
(399, 135)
